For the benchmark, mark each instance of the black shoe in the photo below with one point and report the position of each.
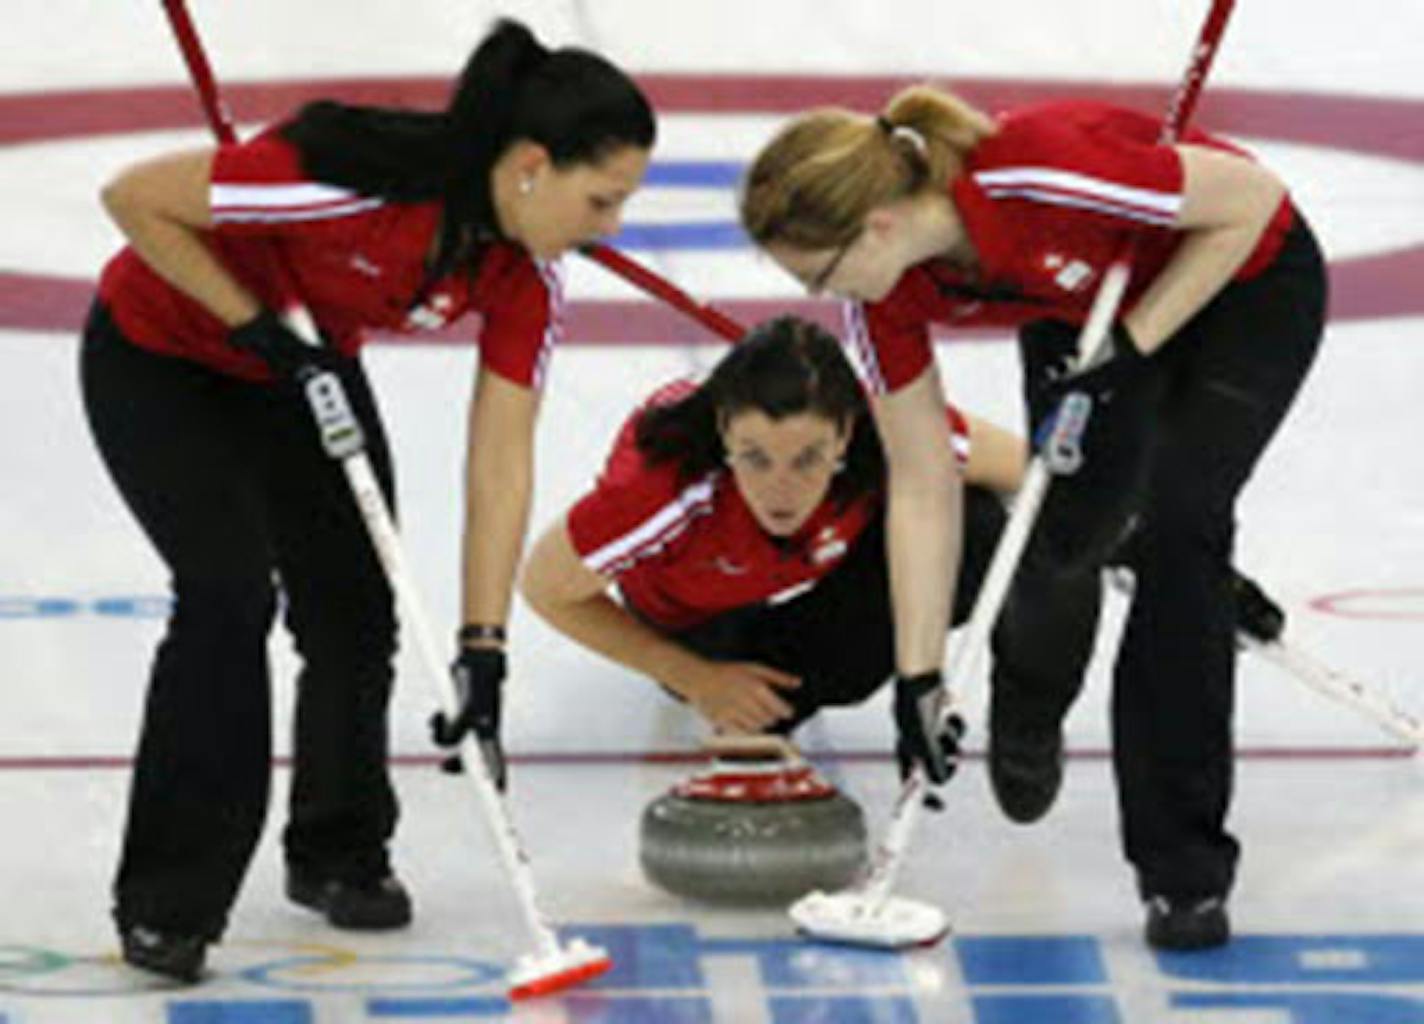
(1025, 761)
(178, 957)
(1186, 924)
(372, 904)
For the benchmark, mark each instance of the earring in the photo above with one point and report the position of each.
(526, 185)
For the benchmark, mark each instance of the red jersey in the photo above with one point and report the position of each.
(685, 551)
(1046, 202)
(357, 261)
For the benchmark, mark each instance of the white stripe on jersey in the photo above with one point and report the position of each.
(792, 592)
(285, 202)
(248, 216)
(655, 531)
(860, 349)
(1052, 185)
(1082, 203)
(552, 273)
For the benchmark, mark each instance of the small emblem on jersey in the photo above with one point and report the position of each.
(1073, 276)
(433, 314)
(362, 265)
(829, 546)
(729, 568)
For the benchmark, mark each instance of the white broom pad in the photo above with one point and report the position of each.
(861, 920)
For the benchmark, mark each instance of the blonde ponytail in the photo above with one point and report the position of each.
(814, 183)
(949, 126)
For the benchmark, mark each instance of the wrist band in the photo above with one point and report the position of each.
(480, 631)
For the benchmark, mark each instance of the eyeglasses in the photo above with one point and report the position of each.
(818, 283)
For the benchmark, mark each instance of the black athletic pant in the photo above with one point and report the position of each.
(839, 638)
(229, 482)
(1226, 381)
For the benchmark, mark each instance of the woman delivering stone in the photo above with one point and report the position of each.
(742, 522)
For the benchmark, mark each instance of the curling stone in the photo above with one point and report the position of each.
(759, 826)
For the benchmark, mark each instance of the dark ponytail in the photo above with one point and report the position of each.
(781, 368)
(575, 103)
(480, 115)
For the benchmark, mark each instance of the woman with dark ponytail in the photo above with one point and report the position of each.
(386, 219)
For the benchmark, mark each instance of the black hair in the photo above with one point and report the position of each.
(781, 368)
(574, 103)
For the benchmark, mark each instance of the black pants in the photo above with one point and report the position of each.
(839, 638)
(1225, 383)
(230, 484)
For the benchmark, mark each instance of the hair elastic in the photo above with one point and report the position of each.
(894, 131)
(915, 138)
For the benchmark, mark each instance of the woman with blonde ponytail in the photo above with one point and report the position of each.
(388, 219)
(934, 213)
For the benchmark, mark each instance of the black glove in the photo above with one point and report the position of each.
(1119, 368)
(479, 680)
(1091, 513)
(1257, 615)
(924, 735)
(282, 349)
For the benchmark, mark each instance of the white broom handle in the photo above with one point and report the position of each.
(367, 492)
(1345, 689)
(889, 854)
(341, 436)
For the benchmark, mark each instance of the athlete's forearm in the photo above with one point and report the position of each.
(923, 520)
(574, 599)
(499, 486)
(494, 537)
(160, 206)
(922, 536)
(1228, 201)
(1203, 264)
(605, 627)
